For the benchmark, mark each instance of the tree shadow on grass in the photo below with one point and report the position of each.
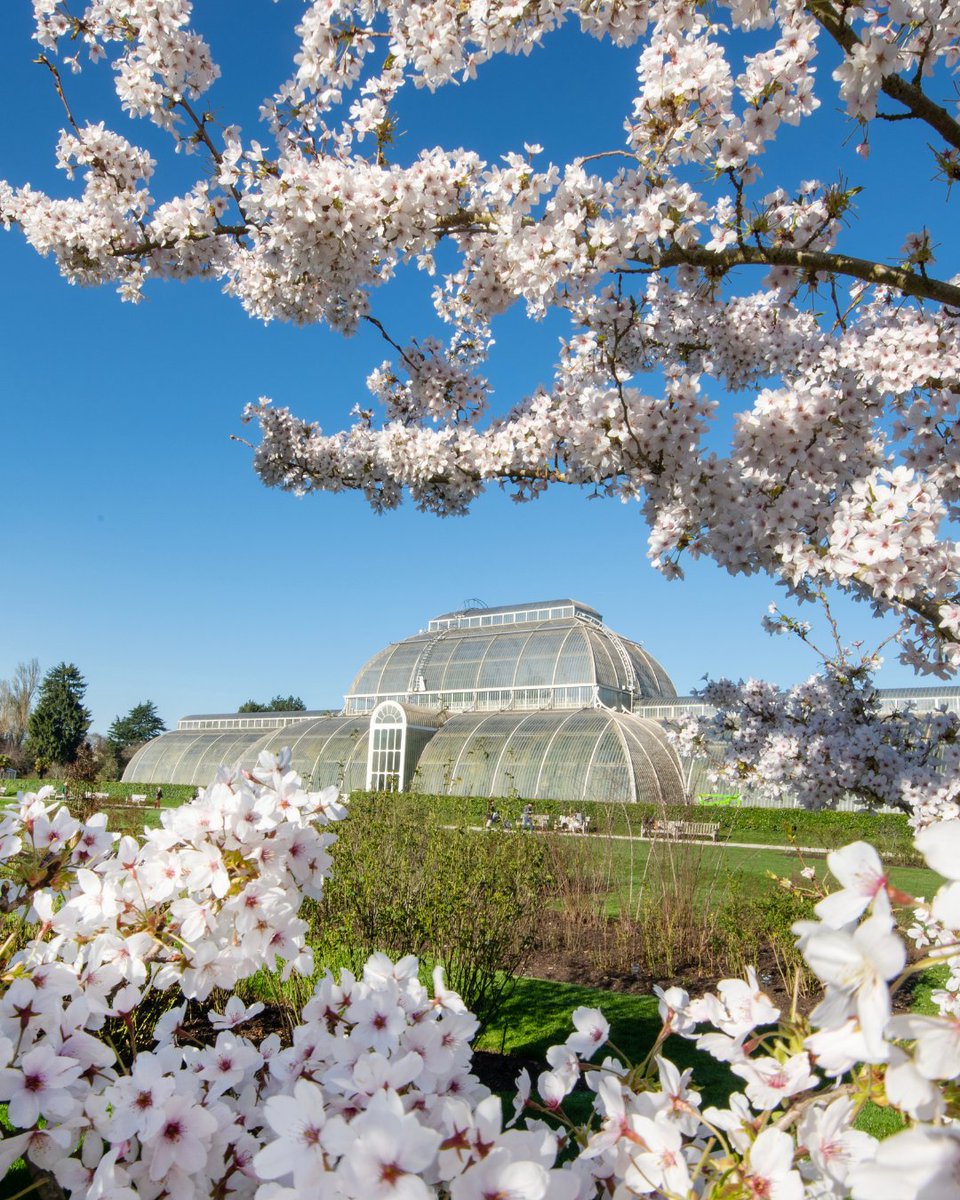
(537, 1015)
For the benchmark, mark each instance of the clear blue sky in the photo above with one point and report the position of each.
(139, 544)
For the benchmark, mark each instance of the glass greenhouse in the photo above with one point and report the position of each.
(538, 700)
(325, 750)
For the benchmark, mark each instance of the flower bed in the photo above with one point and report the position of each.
(372, 1094)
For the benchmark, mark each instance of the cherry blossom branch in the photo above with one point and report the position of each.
(910, 95)
(200, 127)
(929, 611)
(910, 283)
(387, 338)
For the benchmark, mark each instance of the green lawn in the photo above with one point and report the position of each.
(537, 1016)
(625, 866)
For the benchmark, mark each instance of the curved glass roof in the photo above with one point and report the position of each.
(189, 756)
(584, 754)
(326, 751)
(564, 662)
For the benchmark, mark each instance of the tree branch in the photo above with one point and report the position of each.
(910, 283)
(910, 95)
(200, 127)
(42, 60)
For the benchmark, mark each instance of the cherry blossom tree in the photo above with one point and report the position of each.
(686, 275)
(843, 471)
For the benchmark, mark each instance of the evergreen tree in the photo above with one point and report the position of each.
(141, 723)
(59, 722)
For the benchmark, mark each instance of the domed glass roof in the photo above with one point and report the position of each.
(555, 654)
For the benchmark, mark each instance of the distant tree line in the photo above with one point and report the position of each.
(45, 726)
(277, 704)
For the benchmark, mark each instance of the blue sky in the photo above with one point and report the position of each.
(140, 545)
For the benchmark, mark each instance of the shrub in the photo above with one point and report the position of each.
(404, 883)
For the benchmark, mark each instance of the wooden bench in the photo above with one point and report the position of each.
(573, 824)
(677, 829)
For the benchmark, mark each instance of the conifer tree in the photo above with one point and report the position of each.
(59, 722)
(141, 723)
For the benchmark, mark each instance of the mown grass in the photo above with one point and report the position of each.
(628, 863)
(678, 908)
(537, 1014)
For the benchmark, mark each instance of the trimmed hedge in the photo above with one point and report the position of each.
(889, 832)
(173, 793)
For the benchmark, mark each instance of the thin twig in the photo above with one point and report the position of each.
(58, 84)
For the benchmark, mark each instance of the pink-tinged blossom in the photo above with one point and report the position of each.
(298, 1122)
(864, 882)
(522, 1096)
(38, 1086)
(229, 1061)
(655, 1159)
(856, 968)
(834, 1146)
(499, 1175)
(383, 1152)
(377, 1017)
(140, 1097)
(592, 1031)
(235, 1012)
(769, 1167)
(771, 1083)
(677, 1103)
(552, 1088)
(181, 1139)
(672, 1005)
(739, 1006)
